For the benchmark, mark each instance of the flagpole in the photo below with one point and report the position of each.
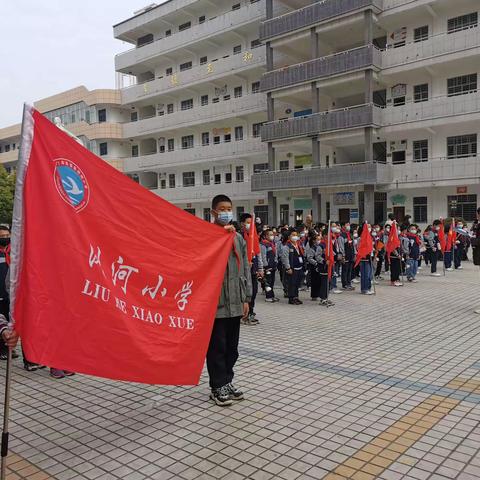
(327, 258)
(6, 416)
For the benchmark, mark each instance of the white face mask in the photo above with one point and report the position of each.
(247, 226)
(355, 235)
(414, 232)
(271, 237)
(377, 229)
(374, 234)
(347, 228)
(460, 225)
(302, 234)
(294, 238)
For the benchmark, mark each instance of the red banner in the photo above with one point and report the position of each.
(108, 279)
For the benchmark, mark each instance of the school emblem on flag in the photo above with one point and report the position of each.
(71, 184)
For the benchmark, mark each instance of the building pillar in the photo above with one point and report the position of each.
(369, 195)
(272, 209)
(315, 151)
(269, 55)
(270, 107)
(368, 30)
(316, 205)
(271, 157)
(269, 8)
(314, 50)
(315, 98)
(368, 144)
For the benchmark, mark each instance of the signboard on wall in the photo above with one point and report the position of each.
(302, 160)
(302, 204)
(354, 216)
(461, 190)
(398, 199)
(344, 198)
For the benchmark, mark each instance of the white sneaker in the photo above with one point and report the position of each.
(435, 275)
(449, 269)
(355, 280)
(460, 268)
(369, 293)
(477, 311)
(420, 268)
(397, 284)
(376, 282)
(337, 291)
(414, 280)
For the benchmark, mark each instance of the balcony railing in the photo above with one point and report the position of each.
(352, 117)
(312, 14)
(437, 170)
(360, 58)
(215, 26)
(198, 154)
(337, 175)
(435, 108)
(227, 108)
(433, 47)
(208, 72)
(241, 190)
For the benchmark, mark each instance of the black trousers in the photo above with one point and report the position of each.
(433, 258)
(251, 307)
(378, 270)
(314, 282)
(294, 283)
(270, 282)
(347, 272)
(5, 311)
(395, 266)
(222, 351)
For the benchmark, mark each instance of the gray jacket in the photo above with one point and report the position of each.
(237, 282)
(314, 255)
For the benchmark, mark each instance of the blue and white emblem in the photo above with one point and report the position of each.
(71, 184)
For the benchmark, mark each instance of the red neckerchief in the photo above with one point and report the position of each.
(414, 236)
(6, 252)
(268, 243)
(297, 246)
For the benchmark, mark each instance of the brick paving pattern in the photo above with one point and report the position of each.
(381, 387)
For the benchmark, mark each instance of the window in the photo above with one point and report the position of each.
(255, 87)
(163, 184)
(185, 66)
(134, 150)
(168, 33)
(217, 179)
(463, 22)
(284, 165)
(226, 97)
(206, 215)
(87, 116)
(420, 209)
(239, 133)
(284, 214)
(102, 115)
(228, 178)
(205, 138)
(462, 85)
(134, 116)
(239, 174)
(256, 129)
(171, 180)
(462, 146)
(203, 60)
(227, 138)
(420, 93)
(184, 26)
(462, 206)
(206, 177)
(398, 157)
(188, 179)
(201, 19)
(191, 211)
(7, 148)
(187, 141)
(240, 211)
(216, 140)
(186, 104)
(237, 92)
(169, 71)
(103, 148)
(255, 43)
(215, 100)
(170, 108)
(204, 100)
(260, 167)
(398, 101)
(237, 49)
(72, 118)
(171, 144)
(420, 34)
(420, 151)
(236, 6)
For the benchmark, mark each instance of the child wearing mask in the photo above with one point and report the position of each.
(292, 260)
(268, 250)
(413, 253)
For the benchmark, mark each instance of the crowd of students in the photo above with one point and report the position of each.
(328, 259)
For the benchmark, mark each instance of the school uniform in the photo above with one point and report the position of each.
(292, 259)
(346, 249)
(413, 256)
(268, 251)
(314, 257)
(460, 247)
(255, 269)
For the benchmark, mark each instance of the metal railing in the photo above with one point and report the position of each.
(214, 26)
(351, 117)
(312, 14)
(335, 64)
(233, 107)
(337, 175)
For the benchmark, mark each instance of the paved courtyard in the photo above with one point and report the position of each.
(376, 387)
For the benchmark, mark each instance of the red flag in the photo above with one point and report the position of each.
(393, 241)
(253, 242)
(366, 244)
(452, 236)
(108, 279)
(330, 253)
(441, 238)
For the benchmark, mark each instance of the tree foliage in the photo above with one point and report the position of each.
(7, 191)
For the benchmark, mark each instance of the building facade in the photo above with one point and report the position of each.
(196, 108)
(95, 117)
(378, 113)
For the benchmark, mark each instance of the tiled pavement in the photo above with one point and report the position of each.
(376, 387)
